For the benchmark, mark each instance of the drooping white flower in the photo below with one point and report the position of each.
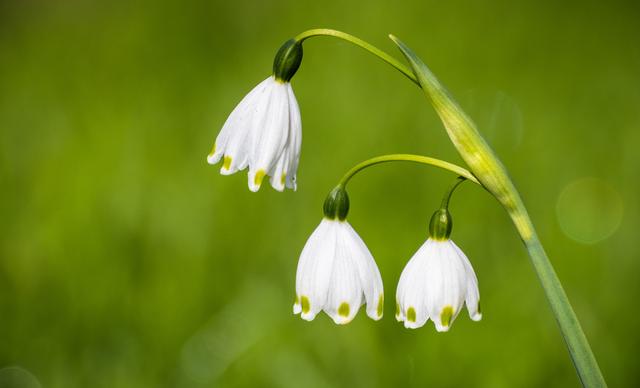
(337, 274)
(435, 284)
(264, 133)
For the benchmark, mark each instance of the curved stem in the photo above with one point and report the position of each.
(362, 44)
(408, 158)
(449, 193)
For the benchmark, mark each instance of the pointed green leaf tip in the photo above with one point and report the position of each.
(336, 205)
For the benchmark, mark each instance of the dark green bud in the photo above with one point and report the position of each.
(287, 60)
(440, 225)
(337, 204)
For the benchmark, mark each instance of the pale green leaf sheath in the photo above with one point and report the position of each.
(484, 164)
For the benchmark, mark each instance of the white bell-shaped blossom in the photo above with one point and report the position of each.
(435, 284)
(337, 274)
(264, 133)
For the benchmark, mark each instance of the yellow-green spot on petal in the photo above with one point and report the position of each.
(213, 150)
(380, 308)
(259, 177)
(226, 163)
(304, 301)
(411, 314)
(296, 300)
(397, 309)
(283, 179)
(445, 315)
(343, 310)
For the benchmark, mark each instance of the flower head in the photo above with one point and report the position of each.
(437, 282)
(336, 272)
(264, 133)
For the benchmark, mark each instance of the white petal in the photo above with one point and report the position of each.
(295, 139)
(297, 306)
(411, 292)
(239, 146)
(315, 268)
(368, 272)
(345, 292)
(277, 174)
(270, 135)
(262, 116)
(472, 298)
(446, 284)
(237, 125)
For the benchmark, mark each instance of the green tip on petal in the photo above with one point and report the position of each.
(445, 316)
(213, 150)
(343, 310)
(380, 308)
(411, 314)
(226, 163)
(397, 309)
(259, 177)
(304, 302)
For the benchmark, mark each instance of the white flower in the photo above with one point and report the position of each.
(263, 133)
(435, 284)
(337, 274)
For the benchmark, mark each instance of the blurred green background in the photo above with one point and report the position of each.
(127, 261)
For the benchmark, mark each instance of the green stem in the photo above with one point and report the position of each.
(489, 170)
(408, 158)
(449, 193)
(362, 44)
(575, 339)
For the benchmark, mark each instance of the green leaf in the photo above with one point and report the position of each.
(475, 151)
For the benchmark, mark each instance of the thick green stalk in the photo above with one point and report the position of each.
(575, 339)
(486, 166)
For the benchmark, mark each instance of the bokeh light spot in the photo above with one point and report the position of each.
(589, 210)
(16, 377)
